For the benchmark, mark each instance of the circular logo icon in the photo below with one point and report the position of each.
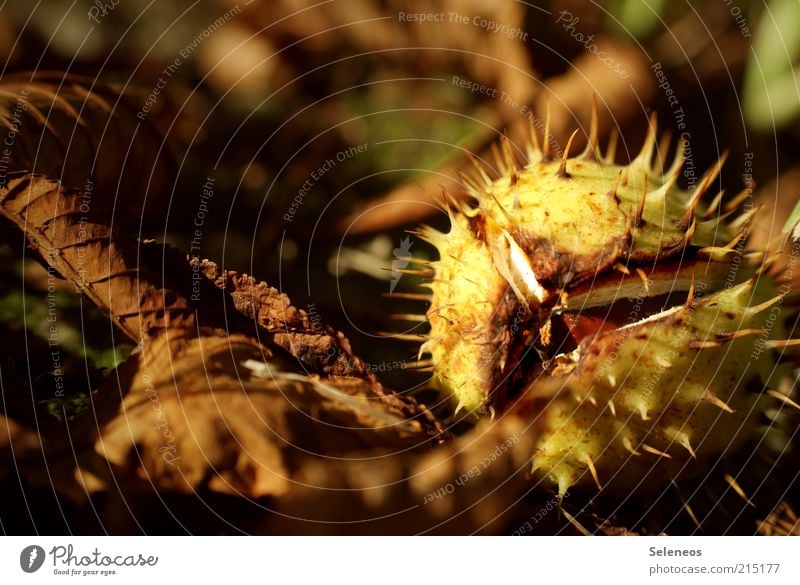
(31, 558)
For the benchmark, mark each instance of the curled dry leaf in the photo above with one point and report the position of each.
(316, 346)
(214, 412)
(192, 416)
(86, 135)
(78, 243)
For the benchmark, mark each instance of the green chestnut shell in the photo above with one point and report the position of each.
(616, 285)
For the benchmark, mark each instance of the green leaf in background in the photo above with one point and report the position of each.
(792, 227)
(772, 77)
(637, 18)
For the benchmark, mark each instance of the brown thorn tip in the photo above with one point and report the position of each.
(562, 169)
(546, 135)
(738, 489)
(404, 336)
(409, 296)
(690, 296)
(536, 148)
(591, 152)
(611, 147)
(686, 444)
(645, 281)
(593, 471)
(783, 398)
(711, 399)
(781, 343)
(498, 159)
(480, 169)
(655, 451)
(469, 183)
(423, 273)
(612, 194)
(409, 317)
(646, 154)
(713, 207)
(638, 218)
(626, 442)
(508, 158)
(419, 364)
(572, 520)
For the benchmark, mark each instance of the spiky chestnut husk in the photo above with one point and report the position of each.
(566, 272)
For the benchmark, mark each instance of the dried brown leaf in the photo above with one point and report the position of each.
(79, 244)
(85, 134)
(215, 412)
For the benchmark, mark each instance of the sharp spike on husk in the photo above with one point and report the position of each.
(665, 188)
(419, 364)
(683, 440)
(687, 237)
(409, 296)
(738, 199)
(500, 206)
(611, 147)
(412, 260)
(690, 295)
(727, 248)
(591, 152)
(689, 215)
(508, 159)
(745, 218)
(783, 398)
(691, 513)
(572, 520)
(712, 399)
(714, 206)
(502, 170)
(756, 309)
(781, 343)
(470, 185)
(654, 451)
(562, 169)
(423, 273)
(679, 160)
(593, 471)
(738, 489)
(534, 149)
(686, 505)
(704, 344)
(480, 169)
(726, 337)
(612, 408)
(416, 337)
(638, 217)
(646, 154)
(710, 175)
(409, 317)
(660, 162)
(645, 280)
(546, 135)
(626, 442)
